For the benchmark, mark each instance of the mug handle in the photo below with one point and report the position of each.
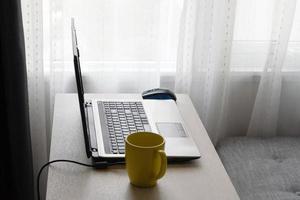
(163, 164)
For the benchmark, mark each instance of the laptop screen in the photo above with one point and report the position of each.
(80, 89)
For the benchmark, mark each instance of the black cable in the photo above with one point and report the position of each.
(100, 165)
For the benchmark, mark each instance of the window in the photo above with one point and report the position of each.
(114, 34)
(253, 35)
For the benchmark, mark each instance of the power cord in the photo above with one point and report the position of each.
(98, 165)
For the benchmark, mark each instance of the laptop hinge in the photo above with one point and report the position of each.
(91, 128)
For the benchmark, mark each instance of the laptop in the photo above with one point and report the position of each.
(107, 122)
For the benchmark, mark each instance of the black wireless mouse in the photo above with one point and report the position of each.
(159, 93)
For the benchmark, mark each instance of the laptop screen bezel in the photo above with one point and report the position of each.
(80, 89)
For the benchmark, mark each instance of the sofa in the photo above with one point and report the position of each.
(263, 168)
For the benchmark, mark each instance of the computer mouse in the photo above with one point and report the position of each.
(159, 93)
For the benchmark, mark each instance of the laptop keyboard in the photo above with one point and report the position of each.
(122, 119)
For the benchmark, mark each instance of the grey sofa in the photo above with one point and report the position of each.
(263, 168)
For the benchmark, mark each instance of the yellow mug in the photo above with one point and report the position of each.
(146, 160)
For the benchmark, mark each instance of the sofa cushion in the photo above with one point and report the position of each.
(263, 168)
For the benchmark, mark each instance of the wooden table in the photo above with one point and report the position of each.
(202, 179)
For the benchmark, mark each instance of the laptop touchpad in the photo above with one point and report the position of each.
(169, 129)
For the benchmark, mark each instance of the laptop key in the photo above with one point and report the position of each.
(115, 151)
(113, 111)
(114, 147)
(138, 123)
(121, 148)
(143, 116)
(127, 111)
(145, 121)
(121, 151)
(114, 144)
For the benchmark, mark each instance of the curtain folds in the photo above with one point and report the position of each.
(203, 65)
(234, 59)
(33, 32)
(265, 112)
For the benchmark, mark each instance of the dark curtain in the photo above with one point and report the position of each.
(15, 142)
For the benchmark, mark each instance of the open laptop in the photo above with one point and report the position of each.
(106, 123)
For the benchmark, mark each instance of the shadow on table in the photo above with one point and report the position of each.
(137, 193)
(162, 189)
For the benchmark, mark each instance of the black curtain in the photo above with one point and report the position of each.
(15, 143)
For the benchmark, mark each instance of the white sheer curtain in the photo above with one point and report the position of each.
(125, 45)
(204, 57)
(33, 32)
(266, 108)
(235, 59)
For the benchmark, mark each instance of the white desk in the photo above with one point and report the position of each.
(204, 179)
